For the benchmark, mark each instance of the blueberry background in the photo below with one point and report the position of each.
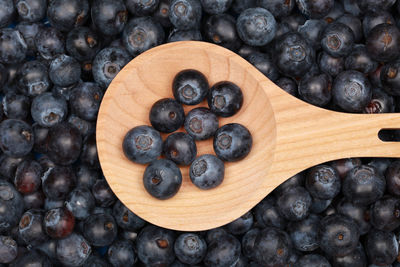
(58, 57)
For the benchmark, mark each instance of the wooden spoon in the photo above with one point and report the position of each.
(289, 136)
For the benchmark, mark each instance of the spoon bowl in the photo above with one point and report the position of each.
(289, 136)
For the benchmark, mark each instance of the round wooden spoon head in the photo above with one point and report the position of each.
(289, 136)
(127, 103)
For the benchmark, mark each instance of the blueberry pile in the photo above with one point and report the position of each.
(231, 142)
(57, 58)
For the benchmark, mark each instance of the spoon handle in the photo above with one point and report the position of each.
(307, 135)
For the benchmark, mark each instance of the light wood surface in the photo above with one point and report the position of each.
(289, 136)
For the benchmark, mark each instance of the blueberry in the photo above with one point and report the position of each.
(31, 10)
(64, 143)
(224, 251)
(221, 30)
(73, 250)
(142, 7)
(180, 148)
(141, 34)
(374, 18)
(380, 102)
(96, 261)
(121, 253)
(201, 123)
(16, 138)
(29, 31)
(207, 171)
(50, 43)
(8, 249)
(312, 260)
(360, 60)
(11, 206)
(52, 204)
(248, 241)
(316, 89)
(155, 246)
(278, 8)
(80, 202)
(385, 213)
(85, 100)
(16, 106)
(161, 14)
(293, 55)
(59, 222)
(34, 200)
(355, 259)
(3, 75)
(296, 180)
(323, 182)
(109, 16)
(31, 228)
(263, 62)
(267, 214)
(294, 204)
(103, 194)
(57, 182)
(392, 176)
(28, 177)
(190, 248)
(363, 185)
(100, 229)
(319, 205)
(383, 42)
(13, 47)
(85, 127)
(241, 225)
(312, 30)
(344, 166)
(48, 110)
(271, 247)
(190, 87)
(89, 154)
(372, 5)
(390, 78)
(232, 142)
(162, 179)
(82, 43)
(65, 15)
(8, 166)
(330, 65)
(256, 26)
(216, 7)
(107, 63)
(382, 247)
(125, 218)
(7, 12)
(288, 85)
(85, 176)
(315, 8)
(185, 14)
(142, 144)
(304, 234)
(31, 258)
(354, 23)
(64, 70)
(338, 235)
(166, 115)
(351, 91)
(184, 35)
(33, 78)
(337, 39)
(225, 98)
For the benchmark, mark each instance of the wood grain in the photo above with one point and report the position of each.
(289, 136)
